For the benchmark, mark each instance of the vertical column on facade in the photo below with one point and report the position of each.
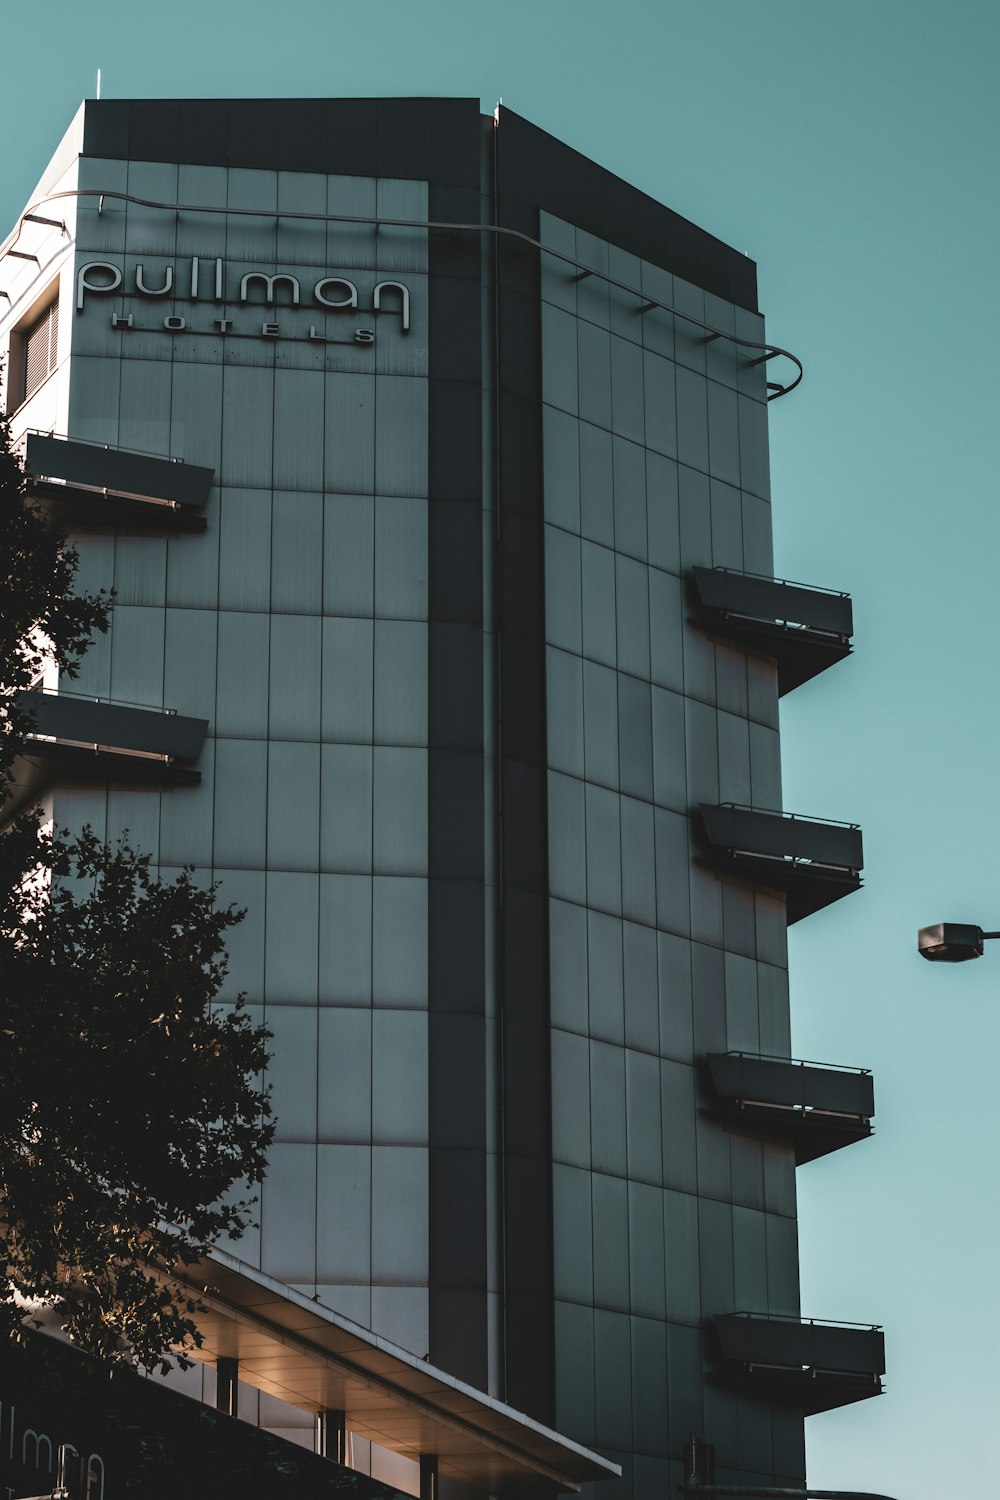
(457, 947)
(523, 939)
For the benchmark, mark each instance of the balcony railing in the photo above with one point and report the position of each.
(815, 1107)
(81, 741)
(805, 629)
(810, 1364)
(94, 485)
(812, 860)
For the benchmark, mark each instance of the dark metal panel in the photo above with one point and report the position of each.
(457, 945)
(458, 1055)
(116, 469)
(772, 1081)
(456, 694)
(785, 1342)
(253, 133)
(456, 301)
(400, 139)
(105, 129)
(543, 171)
(302, 144)
(773, 599)
(458, 1106)
(455, 834)
(152, 132)
(520, 605)
(413, 138)
(455, 444)
(458, 1238)
(774, 834)
(452, 145)
(202, 131)
(351, 142)
(112, 724)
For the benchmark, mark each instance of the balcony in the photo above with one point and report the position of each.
(805, 629)
(814, 861)
(813, 1107)
(77, 741)
(87, 485)
(815, 1366)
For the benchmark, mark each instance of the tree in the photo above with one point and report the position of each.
(130, 1102)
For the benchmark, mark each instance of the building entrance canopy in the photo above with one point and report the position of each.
(304, 1354)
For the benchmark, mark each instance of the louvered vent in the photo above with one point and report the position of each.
(41, 348)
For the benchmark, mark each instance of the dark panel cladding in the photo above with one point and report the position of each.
(527, 1138)
(147, 731)
(543, 172)
(433, 139)
(201, 125)
(773, 599)
(774, 1081)
(118, 469)
(457, 1049)
(105, 129)
(152, 130)
(302, 133)
(253, 135)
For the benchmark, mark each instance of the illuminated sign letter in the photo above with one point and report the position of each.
(269, 285)
(398, 287)
(92, 1475)
(84, 284)
(154, 291)
(38, 1438)
(351, 300)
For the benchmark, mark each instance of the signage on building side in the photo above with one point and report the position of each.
(205, 280)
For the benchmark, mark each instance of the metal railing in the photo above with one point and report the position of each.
(776, 812)
(793, 583)
(646, 301)
(796, 1062)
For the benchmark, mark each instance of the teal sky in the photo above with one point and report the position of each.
(850, 147)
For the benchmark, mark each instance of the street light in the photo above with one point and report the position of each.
(952, 942)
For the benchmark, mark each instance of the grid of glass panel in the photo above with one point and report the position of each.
(297, 625)
(655, 446)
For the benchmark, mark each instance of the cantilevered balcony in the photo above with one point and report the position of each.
(815, 1366)
(805, 629)
(89, 485)
(813, 860)
(811, 1106)
(78, 741)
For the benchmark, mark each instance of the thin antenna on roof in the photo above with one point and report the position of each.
(496, 112)
(98, 83)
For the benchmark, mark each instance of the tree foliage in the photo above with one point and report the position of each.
(130, 1101)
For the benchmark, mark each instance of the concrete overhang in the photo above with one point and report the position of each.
(314, 1359)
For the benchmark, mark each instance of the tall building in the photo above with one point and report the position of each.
(428, 462)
